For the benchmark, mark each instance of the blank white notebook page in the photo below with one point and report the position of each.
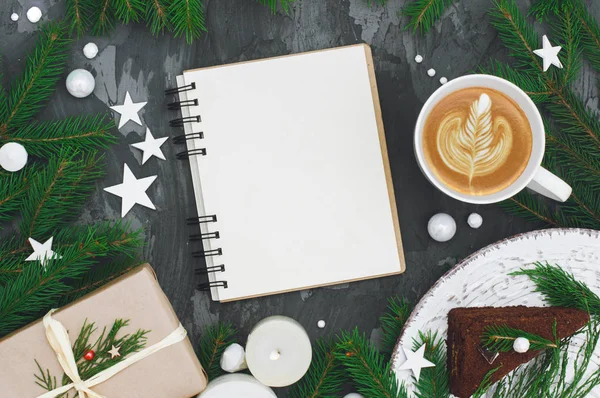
(294, 171)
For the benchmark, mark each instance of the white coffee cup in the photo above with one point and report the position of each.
(534, 176)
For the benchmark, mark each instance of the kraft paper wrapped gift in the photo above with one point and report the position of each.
(173, 372)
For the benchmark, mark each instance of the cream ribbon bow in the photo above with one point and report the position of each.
(59, 341)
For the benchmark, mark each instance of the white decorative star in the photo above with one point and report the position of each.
(132, 191)
(129, 110)
(114, 352)
(151, 146)
(42, 252)
(549, 54)
(415, 361)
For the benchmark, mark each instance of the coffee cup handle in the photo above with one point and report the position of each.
(549, 185)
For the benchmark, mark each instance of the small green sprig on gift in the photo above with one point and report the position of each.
(103, 359)
(500, 338)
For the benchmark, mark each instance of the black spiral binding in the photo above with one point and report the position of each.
(181, 139)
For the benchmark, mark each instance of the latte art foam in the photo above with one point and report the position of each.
(477, 141)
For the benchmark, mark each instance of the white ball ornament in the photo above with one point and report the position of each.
(90, 50)
(14, 17)
(234, 359)
(441, 227)
(521, 345)
(34, 14)
(353, 395)
(13, 156)
(80, 83)
(419, 59)
(431, 72)
(321, 324)
(474, 220)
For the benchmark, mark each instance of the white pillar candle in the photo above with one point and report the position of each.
(278, 352)
(237, 385)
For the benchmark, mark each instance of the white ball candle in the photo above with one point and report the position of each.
(237, 385)
(441, 227)
(278, 351)
(13, 156)
(80, 83)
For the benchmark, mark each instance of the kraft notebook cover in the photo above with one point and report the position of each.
(290, 172)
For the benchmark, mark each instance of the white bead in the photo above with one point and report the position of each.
(321, 324)
(475, 220)
(234, 359)
(34, 14)
(14, 17)
(431, 72)
(419, 59)
(80, 83)
(353, 395)
(441, 227)
(13, 156)
(90, 50)
(521, 345)
(443, 80)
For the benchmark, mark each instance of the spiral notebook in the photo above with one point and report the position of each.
(290, 172)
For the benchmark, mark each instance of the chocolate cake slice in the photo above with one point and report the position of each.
(468, 363)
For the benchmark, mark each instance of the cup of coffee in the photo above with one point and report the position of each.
(480, 139)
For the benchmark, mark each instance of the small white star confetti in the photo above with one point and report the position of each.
(42, 252)
(549, 54)
(129, 110)
(114, 352)
(415, 361)
(132, 191)
(151, 146)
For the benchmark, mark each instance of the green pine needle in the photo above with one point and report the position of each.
(129, 10)
(285, 4)
(44, 67)
(325, 376)
(13, 188)
(370, 370)
(187, 19)
(424, 14)
(560, 288)
(433, 382)
(215, 339)
(79, 16)
(104, 13)
(500, 338)
(83, 133)
(157, 15)
(392, 322)
(485, 383)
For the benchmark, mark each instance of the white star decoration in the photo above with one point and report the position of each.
(42, 252)
(549, 54)
(150, 146)
(132, 191)
(114, 352)
(129, 110)
(415, 361)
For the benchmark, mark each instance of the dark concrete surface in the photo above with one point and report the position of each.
(131, 59)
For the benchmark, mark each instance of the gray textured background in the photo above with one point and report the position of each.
(131, 59)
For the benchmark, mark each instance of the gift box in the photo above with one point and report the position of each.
(171, 372)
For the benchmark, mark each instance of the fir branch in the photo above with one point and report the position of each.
(156, 15)
(3, 98)
(433, 382)
(392, 322)
(187, 19)
(530, 83)
(84, 133)
(44, 67)
(285, 4)
(560, 288)
(424, 14)
(567, 33)
(13, 188)
(104, 17)
(527, 206)
(590, 40)
(215, 339)
(45, 379)
(79, 16)
(56, 193)
(485, 383)
(129, 10)
(500, 338)
(370, 371)
(325, 376)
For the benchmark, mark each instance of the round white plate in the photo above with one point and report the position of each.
(482, 280)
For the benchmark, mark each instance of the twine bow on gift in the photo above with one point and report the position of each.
(61, 344)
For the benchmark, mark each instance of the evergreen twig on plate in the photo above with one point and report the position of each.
(434, 381)
(500, 338)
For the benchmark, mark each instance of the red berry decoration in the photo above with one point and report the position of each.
(89, 355)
